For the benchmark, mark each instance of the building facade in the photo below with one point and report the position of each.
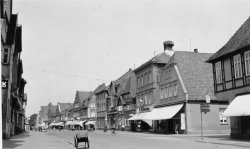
(101, 107)
(13, 97)
(147, 83)
(185, 83)
(231, 69)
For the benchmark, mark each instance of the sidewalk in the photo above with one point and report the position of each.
(35, 140)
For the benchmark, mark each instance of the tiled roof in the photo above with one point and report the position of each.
(159, 58)
(100, 88)
(81, 95)
(64, 106)
(53, 109)
(196, 74)
(129, 85)
(238, 41)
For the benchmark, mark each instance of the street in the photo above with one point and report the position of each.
(54, 139)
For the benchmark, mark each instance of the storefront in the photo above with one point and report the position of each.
(239, 113)
(101, 120)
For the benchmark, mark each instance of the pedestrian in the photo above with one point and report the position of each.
(123, 127)
(177, 127)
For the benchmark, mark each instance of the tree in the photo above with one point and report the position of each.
(33, 120)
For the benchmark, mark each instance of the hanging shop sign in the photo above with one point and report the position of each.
(4, 84)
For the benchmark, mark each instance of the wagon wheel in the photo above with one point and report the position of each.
(76, 143)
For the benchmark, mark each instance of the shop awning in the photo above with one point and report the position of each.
(81, 122)
(60, 124)
(68, 123)
(240, 106)
(53, 124)
(90, 122)
(163, 113)
(139, 116)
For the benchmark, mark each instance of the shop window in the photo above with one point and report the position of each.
(218, 72)
(5, 56)
(237, 66)
(247, 63)
(223, 119)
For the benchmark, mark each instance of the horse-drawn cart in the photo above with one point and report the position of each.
(81, 137)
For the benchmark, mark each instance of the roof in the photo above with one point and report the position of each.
(44, 110)
(238, 41)
(197, 75)
(100, 88)
(129, 85)
(81, 95)
(64, 106)
(161, 58)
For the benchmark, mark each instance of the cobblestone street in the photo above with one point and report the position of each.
(120, 140)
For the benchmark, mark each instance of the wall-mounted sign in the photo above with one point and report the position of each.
(4, 84)
(119, 108)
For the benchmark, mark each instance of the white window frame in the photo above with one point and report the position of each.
(218, 72)
(237, 66)
(222, 118)
(247, 62)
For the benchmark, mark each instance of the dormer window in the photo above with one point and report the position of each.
(237, 66)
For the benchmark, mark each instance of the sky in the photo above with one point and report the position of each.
(76, 45)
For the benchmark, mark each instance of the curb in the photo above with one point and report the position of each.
(221, 143)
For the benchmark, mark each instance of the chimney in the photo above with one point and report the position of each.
(168, 45)
(195, 50)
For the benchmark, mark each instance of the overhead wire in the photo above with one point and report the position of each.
(64, 74)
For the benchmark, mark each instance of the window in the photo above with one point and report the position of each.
(247, 63)
(150, 77)
(166, 92)
(237, 66)
(218, 72)
(5, 56)
(175, 90)
(145, 79)
(150, 97)
(161, 93)
(223, 119)
(170, 74)
(170, 91)
(142, 80)
(146, 99)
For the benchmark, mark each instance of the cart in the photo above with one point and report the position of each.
(81, 137)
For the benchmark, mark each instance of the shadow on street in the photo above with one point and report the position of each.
(15, 141)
